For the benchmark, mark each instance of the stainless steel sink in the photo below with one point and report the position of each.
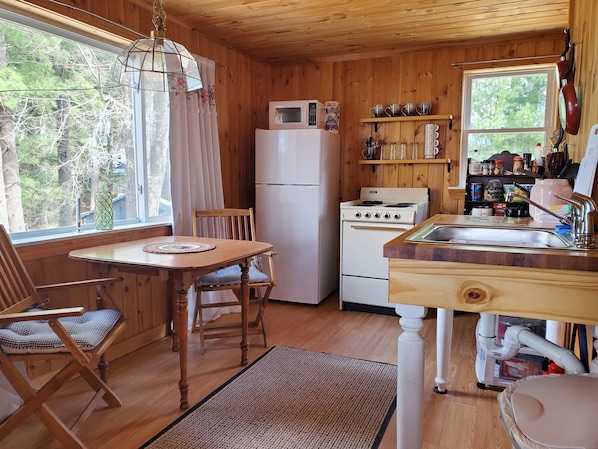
(490, 235)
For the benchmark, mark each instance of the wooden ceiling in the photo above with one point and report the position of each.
(300, 30)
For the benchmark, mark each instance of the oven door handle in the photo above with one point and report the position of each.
(377, 228)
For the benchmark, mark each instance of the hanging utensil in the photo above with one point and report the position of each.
(562, 66)
(555, 163)
(556, 140)
(569, 110)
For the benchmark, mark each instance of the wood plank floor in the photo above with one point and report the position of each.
(146, 380)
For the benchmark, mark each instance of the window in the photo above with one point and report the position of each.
(66, 128)
(507, 110)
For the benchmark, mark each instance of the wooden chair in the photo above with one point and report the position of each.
(237, 224)
(30, 331)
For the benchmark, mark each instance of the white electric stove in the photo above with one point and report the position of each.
(378, 216)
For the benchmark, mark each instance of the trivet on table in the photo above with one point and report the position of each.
(178, 247)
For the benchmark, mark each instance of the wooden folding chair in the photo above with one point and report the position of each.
(30, 331)
(237, 224)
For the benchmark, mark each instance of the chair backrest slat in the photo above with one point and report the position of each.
(15, 284)
(236, 224)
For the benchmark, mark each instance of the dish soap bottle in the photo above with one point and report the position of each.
(104, 215)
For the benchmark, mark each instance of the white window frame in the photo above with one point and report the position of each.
(88, 38)
(550, 116)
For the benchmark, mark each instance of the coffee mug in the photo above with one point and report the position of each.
(431, 135)
(430, 151)
(408, 109)
(393, 110)
(424, 108)
(431, 127)
(377, 110)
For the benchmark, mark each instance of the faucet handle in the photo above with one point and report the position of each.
(587, 201)
(578, 204)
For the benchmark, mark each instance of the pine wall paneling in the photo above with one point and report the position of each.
(405, 77)
(585, 35)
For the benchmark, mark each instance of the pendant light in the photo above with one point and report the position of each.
(157, 63)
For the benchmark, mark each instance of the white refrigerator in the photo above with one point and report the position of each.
(297, 209)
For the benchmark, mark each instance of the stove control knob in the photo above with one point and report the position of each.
(387, 216)
(366, 215)
(396, 216)
(377, 215)
(357, 214)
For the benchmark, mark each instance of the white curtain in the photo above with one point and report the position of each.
(196, 175)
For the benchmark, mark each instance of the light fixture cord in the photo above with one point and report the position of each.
(159, 17)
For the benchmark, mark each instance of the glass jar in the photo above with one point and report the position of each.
(517, 164)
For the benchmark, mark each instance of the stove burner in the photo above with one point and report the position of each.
(400, 205)
(369, 203)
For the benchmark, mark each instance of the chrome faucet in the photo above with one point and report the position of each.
(563, 220)
(584, 209)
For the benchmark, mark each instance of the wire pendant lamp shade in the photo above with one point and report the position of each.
(157, 63)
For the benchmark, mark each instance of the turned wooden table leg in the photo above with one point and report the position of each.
(244, 310)
(410, 377)
(181, 328)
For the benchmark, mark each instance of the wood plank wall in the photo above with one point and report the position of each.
(584, 15)
(402, 78)
(243, 89)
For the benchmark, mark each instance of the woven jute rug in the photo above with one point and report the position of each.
(291, 398)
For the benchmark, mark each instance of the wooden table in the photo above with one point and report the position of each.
(550, 284)
(182, 270)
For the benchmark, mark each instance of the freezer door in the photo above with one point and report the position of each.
(296, 157)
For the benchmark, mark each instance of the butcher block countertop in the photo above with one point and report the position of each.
(560, 259)
(554, 284)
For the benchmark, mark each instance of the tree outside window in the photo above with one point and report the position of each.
(66, 128)
(507, 110)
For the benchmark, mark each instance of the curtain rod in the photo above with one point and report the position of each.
(489, 61)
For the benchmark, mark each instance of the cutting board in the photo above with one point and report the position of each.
(587, 167)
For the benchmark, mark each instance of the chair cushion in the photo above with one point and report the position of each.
(231, 276)
(87, 330)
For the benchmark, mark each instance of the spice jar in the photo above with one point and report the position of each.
(517, 164)
(499, 167)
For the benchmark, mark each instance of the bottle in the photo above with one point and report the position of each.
(475, 163)
(104, 215)
(538, 157)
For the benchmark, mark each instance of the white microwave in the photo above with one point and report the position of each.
(300, 114)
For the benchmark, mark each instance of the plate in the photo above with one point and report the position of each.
(178, 247)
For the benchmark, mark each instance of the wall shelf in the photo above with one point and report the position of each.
(374, 162)
(410, 118)
(403, 161)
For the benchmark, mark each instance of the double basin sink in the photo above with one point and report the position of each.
(523, 237)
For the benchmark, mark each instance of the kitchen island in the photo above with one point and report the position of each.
(545, 283)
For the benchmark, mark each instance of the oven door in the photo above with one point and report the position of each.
(364, 269)
(362, 247)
